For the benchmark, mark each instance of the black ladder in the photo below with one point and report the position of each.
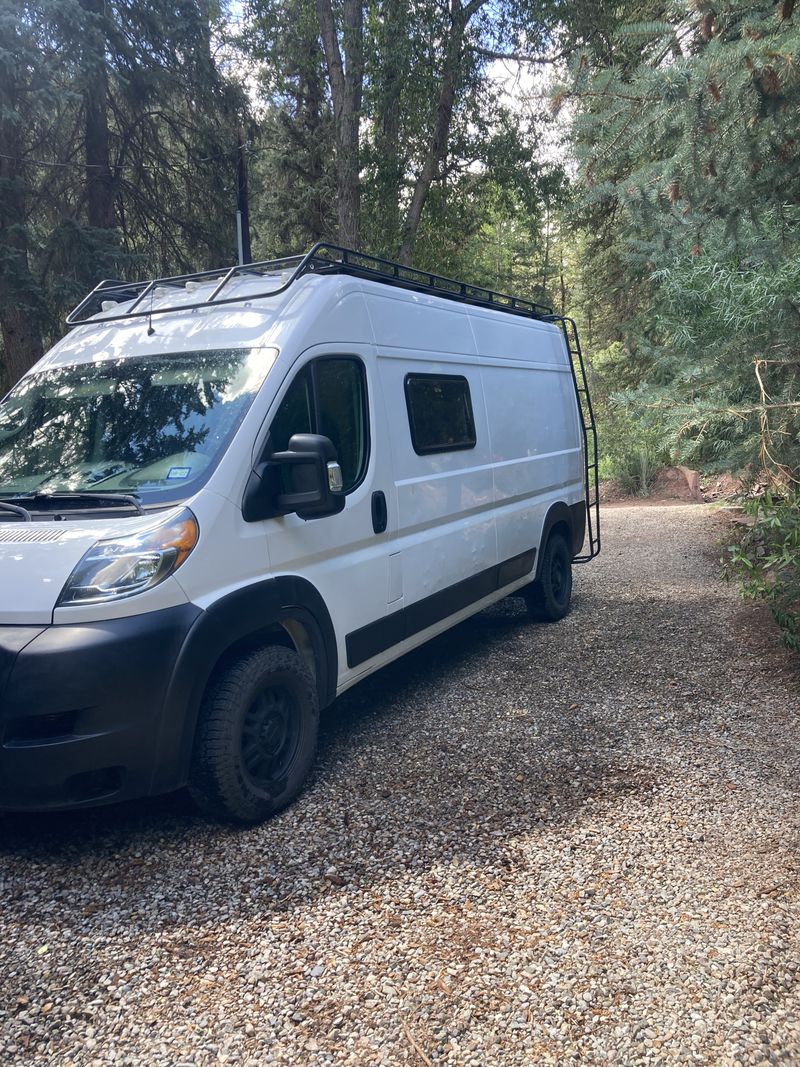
(591, 480)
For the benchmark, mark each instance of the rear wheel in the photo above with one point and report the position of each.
(548, 598)
(256, 736)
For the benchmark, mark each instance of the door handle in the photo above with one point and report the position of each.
(380, 513)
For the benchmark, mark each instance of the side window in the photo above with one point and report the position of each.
(296, 413)
(329, 397)
(439, 413)
(342, 405)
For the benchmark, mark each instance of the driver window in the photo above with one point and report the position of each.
(329, 397)
(296, 413)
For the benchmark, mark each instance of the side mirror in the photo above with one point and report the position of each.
(305, 479)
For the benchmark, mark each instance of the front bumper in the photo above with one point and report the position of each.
(83, 707)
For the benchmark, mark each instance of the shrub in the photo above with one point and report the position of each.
(765, 558)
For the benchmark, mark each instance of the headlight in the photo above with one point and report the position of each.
(125, 566)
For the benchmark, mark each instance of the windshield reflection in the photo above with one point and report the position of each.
(155, 426)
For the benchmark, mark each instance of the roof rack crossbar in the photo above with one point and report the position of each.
(148, 289)
(323, 258)
(231, 274)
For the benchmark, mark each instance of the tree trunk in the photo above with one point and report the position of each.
(22, 338)
(99, 179)
(389, 176)
(562, 283)
(312, 106)
(20, 296)
(437, 153)
(347, 83)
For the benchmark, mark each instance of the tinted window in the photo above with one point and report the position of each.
(439, 413)
(328, 397)
(296, 413)
(342, 413)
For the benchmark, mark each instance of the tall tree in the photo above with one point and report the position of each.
(392, 61)
(118, 142)
(294, 181)
(408, 95)
(97, 138)
(346, 76)
(459, 16)
(23, 93)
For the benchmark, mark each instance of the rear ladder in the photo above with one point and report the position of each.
(591, 484)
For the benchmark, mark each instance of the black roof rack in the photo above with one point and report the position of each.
(321, 259)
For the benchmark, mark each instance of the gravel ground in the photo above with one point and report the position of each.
(523, 845)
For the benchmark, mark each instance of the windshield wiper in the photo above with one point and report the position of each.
(100, 499)
(23, 513)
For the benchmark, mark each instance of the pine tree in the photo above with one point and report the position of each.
(294, 201)
(118, 142)
(687, 142)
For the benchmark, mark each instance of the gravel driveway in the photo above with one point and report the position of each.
(523, 845)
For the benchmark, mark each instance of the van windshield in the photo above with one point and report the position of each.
(153, 426)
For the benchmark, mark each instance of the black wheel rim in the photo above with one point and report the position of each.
(558, 578)
(270, 738)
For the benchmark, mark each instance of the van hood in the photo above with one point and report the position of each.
(36, 558)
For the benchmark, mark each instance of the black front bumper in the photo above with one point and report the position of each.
(87, 711)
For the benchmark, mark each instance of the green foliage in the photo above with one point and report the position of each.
(489, 177)
(630, 436)
(765, 558)
(118, 138)
(730, 327)
(292, 182)
(686, 129)
(120, 125)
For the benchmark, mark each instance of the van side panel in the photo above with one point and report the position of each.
(445, 500)
(470, 521)
(503, 336)
(342, 556)
(418, 322)
(536, 449)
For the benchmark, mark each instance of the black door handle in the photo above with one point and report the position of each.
(380, 513)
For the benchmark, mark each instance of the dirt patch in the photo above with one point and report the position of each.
(720, 487)
(673, 485)
(753, 622)
(758, 630)
(670, 486)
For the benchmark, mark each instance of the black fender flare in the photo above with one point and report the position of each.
(573, 516)
(229, 621)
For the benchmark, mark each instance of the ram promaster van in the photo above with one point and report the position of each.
(225, 498)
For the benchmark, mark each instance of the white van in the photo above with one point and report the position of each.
(225, 498)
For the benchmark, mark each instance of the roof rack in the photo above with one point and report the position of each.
(321, 259)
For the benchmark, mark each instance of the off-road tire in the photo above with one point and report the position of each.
(255, 701)
(548, 598)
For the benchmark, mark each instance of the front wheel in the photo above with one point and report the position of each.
(548, 598)
(256, 736)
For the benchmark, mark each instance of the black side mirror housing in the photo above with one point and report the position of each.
(306, 480)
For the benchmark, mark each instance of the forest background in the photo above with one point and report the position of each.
(632, 164)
